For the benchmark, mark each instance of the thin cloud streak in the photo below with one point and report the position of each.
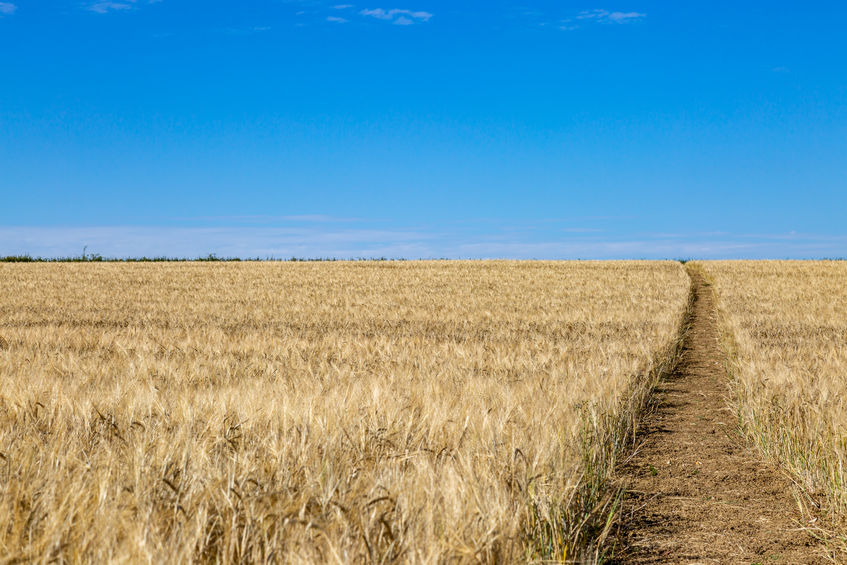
(107, 6)
(610, 17)
(601, 17)
(331, 241)
(267, 219)
(346, 13)
(397, 16)
(132, 241)
(7, 8)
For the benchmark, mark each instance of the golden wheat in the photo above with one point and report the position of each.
(320, 412)
(789, 361)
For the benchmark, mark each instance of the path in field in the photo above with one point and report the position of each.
(697, 493)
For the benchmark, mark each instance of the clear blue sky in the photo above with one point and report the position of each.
(424, 128)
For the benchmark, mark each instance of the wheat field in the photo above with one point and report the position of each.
(378, 412)
(786, 326)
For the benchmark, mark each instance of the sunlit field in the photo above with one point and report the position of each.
(357, 412)
(788, 353)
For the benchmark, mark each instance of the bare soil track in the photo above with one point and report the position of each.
(696, 492)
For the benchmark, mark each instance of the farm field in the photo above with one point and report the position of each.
(786, 326)
(696, 490)
(324, 412)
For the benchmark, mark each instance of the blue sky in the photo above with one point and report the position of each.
(421, 128)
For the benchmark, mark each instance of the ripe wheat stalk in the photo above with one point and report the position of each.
(786, 336)
(322, 412)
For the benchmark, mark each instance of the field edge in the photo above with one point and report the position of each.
(603, 490)
(818, 514)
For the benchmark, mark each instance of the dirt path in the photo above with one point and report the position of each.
(697, 493)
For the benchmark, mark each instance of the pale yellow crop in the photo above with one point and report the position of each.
(787, 328)
(320, 412)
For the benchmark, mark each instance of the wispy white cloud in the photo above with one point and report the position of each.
(345, 13)
(610, 17)
(267, 219)
(397, 16)
(600, 16)
(106, 6)
(343, 241)
(7, 8)
(625, 17)
(263, 242)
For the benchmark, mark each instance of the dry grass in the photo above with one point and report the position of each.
(789, 321)
(343, 412)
